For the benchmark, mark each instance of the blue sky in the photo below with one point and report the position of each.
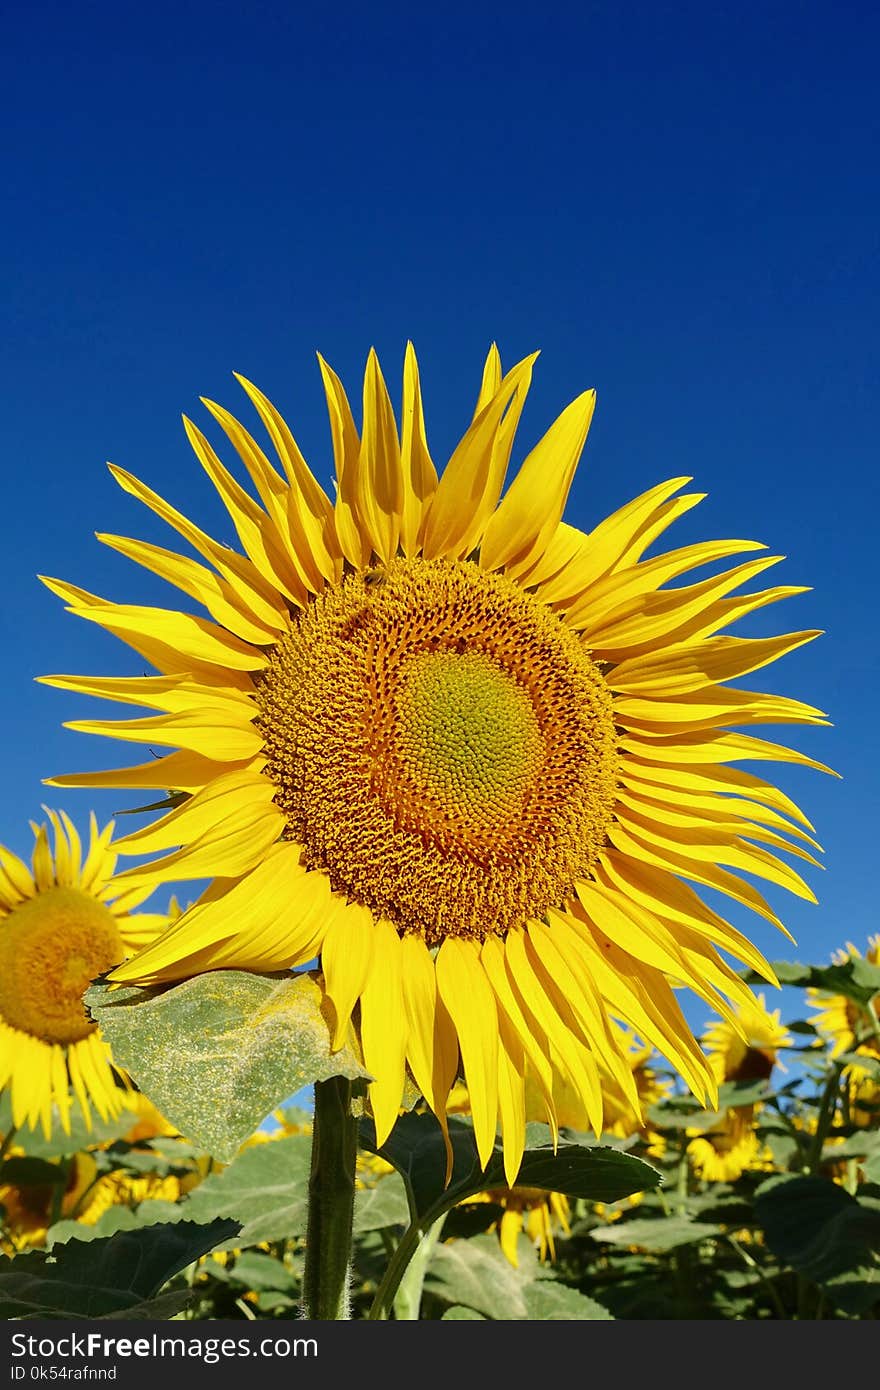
(677, 204)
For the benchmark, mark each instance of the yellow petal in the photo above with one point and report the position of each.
(379, 477)
(511, 1099)
(220, 598)
(346, 960)
(524, 521)
(211, 732)
(685, 667)
(260, 596)
(418, 471)
(608, 541)
(467, 994)
(352, 534)
(383, 1028)
(473, 477)
(311, 506)
(538, 996)
(264, 922)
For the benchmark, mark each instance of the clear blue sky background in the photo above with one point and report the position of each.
(678, 204)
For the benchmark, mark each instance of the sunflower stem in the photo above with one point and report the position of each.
(331, 1203)
(408, 1299)
(394, 1272)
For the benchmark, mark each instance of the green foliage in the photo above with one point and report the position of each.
(416, 1149)
(476, 1275)
(826, 1235)
(117, 1277)
(214, 1225)
(241, 1043)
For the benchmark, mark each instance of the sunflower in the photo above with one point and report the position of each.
(467, 755)
(29, 1211)
(63, 921)
(841, 1021)
(533, 1210)
(729, 1150)
(745, 1052)
(749, 1051)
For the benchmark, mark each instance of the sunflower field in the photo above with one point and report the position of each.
(767, 1207)
(455, 779)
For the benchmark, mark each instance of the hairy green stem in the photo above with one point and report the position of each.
(331, 1203)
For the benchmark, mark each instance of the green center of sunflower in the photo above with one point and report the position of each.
(468, 736)
(51, 947)
(443, 747)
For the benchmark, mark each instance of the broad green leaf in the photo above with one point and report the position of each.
(864, 1143)
(549, 1300)
(733, 1095)
(415, 1148)
(259, 1272)
(265, 1189)
(826, 1235)
(856, 979)
(679, 1112)
(152, 1212)
(666, 1233)
(477, 1274)
(218, 1052)
(97, 1279)
(462, 1314)
(383, 1205)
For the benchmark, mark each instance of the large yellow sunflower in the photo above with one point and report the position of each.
(63, 921)
(841, 1021)
(466, 754)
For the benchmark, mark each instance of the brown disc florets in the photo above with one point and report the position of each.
(442, 746)
(51, 947)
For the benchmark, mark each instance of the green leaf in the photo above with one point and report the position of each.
(458, 1313)
(241, 1043)
(666, 1233)
(265, 1189)
(152, 1212)
(260, 1272)
(415, 1148)
(549, 1300)
(384, 1205)
(97, 1279)
(828, 1236)
(679, 1112)
(733, 1095)
(477, 1275)
(856, 979)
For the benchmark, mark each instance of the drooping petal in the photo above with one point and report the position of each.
(384, 1028)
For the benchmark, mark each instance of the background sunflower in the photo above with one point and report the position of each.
(63, 921)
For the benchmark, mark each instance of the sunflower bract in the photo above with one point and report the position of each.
(475, 760)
